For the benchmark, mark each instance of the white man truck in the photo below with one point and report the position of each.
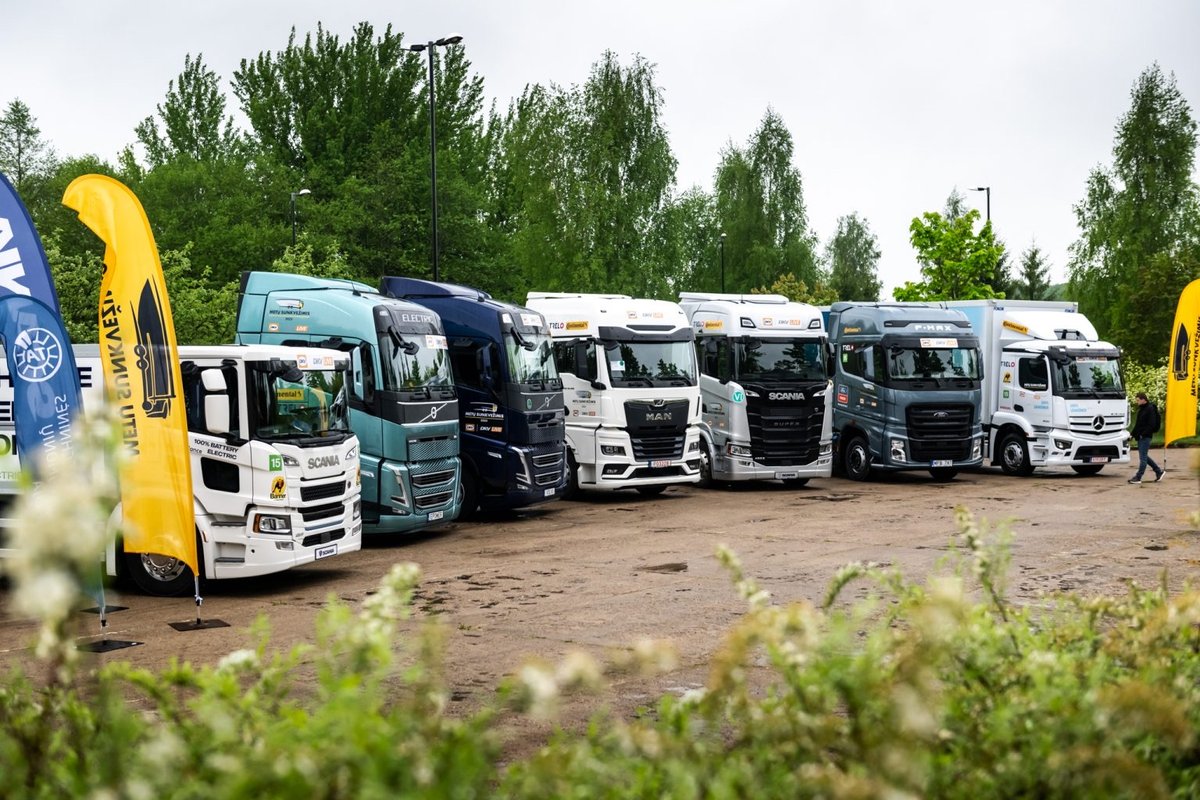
(1052, 391)
(628, 370)
(764, 384)
(274, 465)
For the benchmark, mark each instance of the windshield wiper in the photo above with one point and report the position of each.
(682, 381)
(630, 380)
(521, 341)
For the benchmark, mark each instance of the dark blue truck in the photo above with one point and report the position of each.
(510, 400)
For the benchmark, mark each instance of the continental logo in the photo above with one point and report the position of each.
(851, 329)
(713, 324)
(1014, 326)
(577, 325)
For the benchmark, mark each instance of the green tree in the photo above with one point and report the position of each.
(1034, 281)
(1140, 221)
(798, 291)
(760, 205)
(25, 157)
(193, 119)
(852, 256)
(956, 262)
(203, 310)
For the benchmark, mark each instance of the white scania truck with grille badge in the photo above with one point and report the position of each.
(628, 370)
(764, 384)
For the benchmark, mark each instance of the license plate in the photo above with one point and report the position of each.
(325, 552)
(786, 476)
(656, 464)
(942, 462)
(436, 515)
(550, 492)
(1097, 460)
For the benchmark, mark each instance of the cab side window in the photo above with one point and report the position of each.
(712, 353)
(467, 362)
(1032, 374)
(856, 359)
(577, 357)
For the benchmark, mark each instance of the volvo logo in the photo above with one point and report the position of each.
(1098, 423)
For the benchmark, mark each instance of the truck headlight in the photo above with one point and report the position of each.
(737, 450)
(898, 451)
(694, 447)
(356, 510)
(352, 454)
(977, 449)
(1062, 444)
(290, 461)
(272, 523)
(612, 449)
(826, 449)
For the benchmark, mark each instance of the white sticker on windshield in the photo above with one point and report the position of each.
(434, 342)
(939, 343)
(1090, 359)
(531, 321)
(617, 366)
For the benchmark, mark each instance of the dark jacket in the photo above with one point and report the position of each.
(1148, 421)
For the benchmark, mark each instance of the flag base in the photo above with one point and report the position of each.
(106, 645)
(104, 610)
(198, 624)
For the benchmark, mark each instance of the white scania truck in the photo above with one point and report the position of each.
(1052, 392)
(274, 465)
(628, 370)
(764, 383)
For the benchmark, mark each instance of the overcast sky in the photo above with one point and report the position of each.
(891, 104)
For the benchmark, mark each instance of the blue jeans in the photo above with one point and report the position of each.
(1144, 458)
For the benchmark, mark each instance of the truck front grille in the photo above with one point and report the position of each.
(324, 537)
(939, 432)
(431, 502)
(322, 491)
(431, 448)
(547, 467)
(427, 479)
(666, 445)
(784, 435)
(1096, 424)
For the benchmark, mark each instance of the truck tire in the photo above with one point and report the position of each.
(1014, 454)
(470, 493)
(856, 459)
(571, 490)
(1087, 469)
(158, 575)
(651, 491)
(706, 467)
(943, 474)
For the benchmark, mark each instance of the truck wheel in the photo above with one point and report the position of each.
(470, 493)
(1087, 469)
(651, 491)
(706, 467)
(943, 474)
(158, 575)
(571, 490)
(856, 459)
(1014, 454)
(795, 483)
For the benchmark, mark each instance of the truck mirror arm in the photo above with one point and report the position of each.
(597, 385)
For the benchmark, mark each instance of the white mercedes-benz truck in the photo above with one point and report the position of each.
(764, 384)
(628, 370)
(274, 464)
(1052, 391)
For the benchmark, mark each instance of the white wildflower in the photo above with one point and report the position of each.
(46, 595)
(239, 660)
(541, 690)
(578, 669)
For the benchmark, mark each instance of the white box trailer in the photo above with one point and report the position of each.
(1052, 391)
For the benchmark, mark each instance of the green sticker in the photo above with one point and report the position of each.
(275, 463)
(738, 396)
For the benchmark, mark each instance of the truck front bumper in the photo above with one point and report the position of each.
(1064, 449)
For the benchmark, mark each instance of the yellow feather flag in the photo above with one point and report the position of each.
(141, 369)
(1183, 364)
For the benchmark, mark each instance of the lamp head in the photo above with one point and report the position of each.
(453, 38)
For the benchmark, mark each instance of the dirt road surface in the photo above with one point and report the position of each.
(610, 569)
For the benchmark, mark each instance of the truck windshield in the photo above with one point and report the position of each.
(290, 402)
(646, 363)
(924, 363)
(1086, 376)
(531, 360)
(779, 360)
(413, 361)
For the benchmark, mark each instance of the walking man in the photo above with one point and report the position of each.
(1144, 429)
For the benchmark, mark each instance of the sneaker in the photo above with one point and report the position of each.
(1135, 481)
(1159, 476)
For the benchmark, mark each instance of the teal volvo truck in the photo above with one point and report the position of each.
(906, 389)
(403, 404)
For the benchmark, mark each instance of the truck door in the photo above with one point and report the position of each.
(856, 391)
(1033, 396)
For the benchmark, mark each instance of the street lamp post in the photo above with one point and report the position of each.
(294, 196)
(987, 189)
(722, 246)
(428, 48)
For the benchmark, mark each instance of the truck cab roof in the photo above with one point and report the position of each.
(463, 307)
(877, 319)
(750, 314)
(607, 316)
